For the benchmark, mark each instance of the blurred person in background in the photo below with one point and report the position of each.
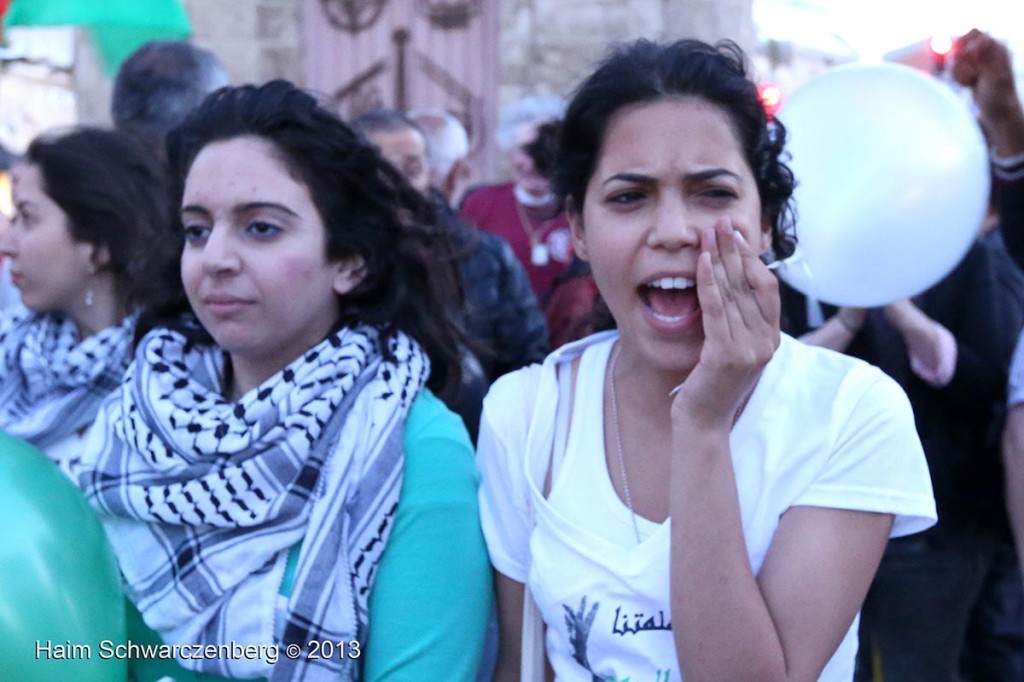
(8, 293)
(499, 313)
(524, 211)
(86, 203)
(947, 601)
(947, 604)
(572, 311)
(157, 87)
(984, 65)
(447, 151)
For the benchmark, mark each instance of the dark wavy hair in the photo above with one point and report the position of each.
(113, 192)
(367, 208)
(644, 71)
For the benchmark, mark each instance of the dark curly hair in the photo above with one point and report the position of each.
(644, 71)
(367, 208)
(113, 193)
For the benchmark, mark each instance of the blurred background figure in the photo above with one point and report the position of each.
(524, 211)
(947, 604)
(498, 311)
(447, 151)
(948, 601)
(86, 202)
(572, 307)
(8, 294)
(157, 87)
(983, 64)
(400, 141)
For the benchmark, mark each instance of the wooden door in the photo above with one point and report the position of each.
(408, 54)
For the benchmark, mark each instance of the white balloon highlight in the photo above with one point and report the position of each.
(892, 183)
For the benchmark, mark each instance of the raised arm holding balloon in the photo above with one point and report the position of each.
(983, 64)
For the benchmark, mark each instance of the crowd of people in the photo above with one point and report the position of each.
(570, 426)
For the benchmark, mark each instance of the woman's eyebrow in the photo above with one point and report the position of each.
(243, 208)
(260, 205)
(639, 178)
(710, 174)
(698, 176)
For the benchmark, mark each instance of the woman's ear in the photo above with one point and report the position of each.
(575, 218)
(99, 257)
(351, 271)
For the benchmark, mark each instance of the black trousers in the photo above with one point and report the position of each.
(945, 606)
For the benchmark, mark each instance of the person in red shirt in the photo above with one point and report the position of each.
(524, 211)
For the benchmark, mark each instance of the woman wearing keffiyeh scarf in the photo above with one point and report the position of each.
(267, 471)
(85, 200)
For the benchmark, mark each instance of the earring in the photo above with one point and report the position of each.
(89, 296)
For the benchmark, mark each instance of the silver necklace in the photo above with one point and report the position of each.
(618, 437)
(618, 444)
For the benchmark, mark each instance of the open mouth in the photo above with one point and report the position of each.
(671, 300)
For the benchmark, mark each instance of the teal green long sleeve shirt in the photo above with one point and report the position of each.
(432, 596)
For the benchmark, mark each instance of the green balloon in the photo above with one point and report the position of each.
(60, 592)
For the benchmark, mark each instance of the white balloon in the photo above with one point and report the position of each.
(892, 183)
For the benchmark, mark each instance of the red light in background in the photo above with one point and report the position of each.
(771, 98)
(940, 45)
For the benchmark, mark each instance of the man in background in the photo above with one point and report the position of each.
(159, 85)
(447, 151)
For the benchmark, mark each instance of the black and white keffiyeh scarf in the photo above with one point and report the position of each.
(52, 382)
(203, 497)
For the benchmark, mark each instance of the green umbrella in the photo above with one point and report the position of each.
(119, 27)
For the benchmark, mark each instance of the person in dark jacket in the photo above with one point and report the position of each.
(501, 313)
(946, 601)
(498, 310)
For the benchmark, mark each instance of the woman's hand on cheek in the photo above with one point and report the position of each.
(739, 300)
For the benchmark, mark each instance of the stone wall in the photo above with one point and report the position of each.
(549, 45)
(257, 40)
(546, 45)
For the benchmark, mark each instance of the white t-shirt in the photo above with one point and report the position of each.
(820, 429)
